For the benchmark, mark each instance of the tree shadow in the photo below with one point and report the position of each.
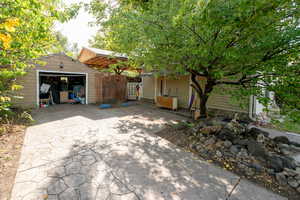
(128, 163)
(138, 166)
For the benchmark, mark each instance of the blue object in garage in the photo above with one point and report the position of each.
(125, 104)
(105, 106)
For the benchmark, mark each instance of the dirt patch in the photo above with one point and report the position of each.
(11, 141)
(182, 136)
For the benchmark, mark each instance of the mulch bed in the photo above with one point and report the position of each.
(181, 136)
(11, 141)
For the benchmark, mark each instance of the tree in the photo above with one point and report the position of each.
(25, 34)
(98, 41)
(252, 45)
(63, 45)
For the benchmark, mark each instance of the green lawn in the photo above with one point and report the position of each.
(288, 125)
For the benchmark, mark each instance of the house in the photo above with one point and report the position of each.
(179, 87)
(68, 79)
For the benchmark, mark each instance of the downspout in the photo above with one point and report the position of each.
(252, 107)
(155, 88)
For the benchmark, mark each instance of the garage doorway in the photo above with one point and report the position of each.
(55, 87)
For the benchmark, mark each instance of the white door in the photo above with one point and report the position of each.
(132, 90)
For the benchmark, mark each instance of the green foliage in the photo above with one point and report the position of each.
(25, 34)
(16, 115)
(98, 41)
(62, 45)
(251, 44)
(288, 124)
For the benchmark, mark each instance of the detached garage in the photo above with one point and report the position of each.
(68, 81)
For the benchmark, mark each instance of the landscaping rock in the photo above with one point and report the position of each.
(235, 127)
(295, 144)
(235, 149)
(226, 134)
(292, 182)
(219, 144)
(288, 162)
(261, 138)
(243, 153)
(256, 166)
(256, 149)
(227, 154)
(204, 152)
(210, 141)
(199, 148)
(283, 146)
(275, 162)
(219, 154)
(271, 171)
(280, 177)
(285, 152)
(193, 146)
(281, 139)
(296, 157)
(290, 172)
(298, 189)
(249, 172)
(241, 166)
(254, 131)
(227, 144)
(295, 148)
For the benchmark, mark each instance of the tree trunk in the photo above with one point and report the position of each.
(203, 93)
(203, 110)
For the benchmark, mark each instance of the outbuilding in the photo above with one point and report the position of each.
(64, 75)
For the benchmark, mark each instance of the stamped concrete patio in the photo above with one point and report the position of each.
(83, 153)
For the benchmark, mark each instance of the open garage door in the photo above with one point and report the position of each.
(61, 87)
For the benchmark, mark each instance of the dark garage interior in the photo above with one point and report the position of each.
(59, 88)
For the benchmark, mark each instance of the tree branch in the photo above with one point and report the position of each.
(197, 34)
(197, 87)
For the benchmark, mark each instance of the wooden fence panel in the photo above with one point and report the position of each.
(111, 88)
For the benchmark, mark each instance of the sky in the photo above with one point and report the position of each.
(77, 30)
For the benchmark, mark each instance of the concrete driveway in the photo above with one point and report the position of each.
(83, 153)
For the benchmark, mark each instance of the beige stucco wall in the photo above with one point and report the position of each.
(177, 87)
(180, 87)
(29, 81)
(148, 87)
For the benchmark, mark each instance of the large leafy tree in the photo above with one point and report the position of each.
(26, 32)
(62, 44)
(252, 45)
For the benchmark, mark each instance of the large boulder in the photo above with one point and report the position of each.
(235, 149)
(281, 139)
(254, 132)
(226, 134)
(278, 163)
(256, 149)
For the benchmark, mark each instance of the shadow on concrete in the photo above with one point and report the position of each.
(141, 167)
(119, 158)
